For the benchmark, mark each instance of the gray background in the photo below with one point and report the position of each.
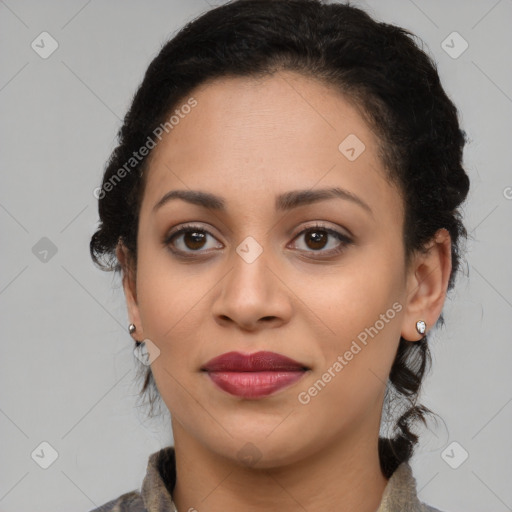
(67, 367)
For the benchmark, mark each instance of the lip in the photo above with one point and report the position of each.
(253, 375)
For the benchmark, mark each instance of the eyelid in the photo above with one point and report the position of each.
(318, 224)
(184, 228)
(343, 239)
(187, 226)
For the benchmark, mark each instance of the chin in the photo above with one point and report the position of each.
(256, 449)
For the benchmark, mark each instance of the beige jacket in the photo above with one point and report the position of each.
(399, 494)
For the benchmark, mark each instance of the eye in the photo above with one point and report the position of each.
(317, 237)
(189, 239)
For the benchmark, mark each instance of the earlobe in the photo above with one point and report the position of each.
(421, 327)
(427, 284)
(130, 290)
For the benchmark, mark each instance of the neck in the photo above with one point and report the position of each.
(346, 476)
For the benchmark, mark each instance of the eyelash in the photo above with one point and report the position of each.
(345, 240)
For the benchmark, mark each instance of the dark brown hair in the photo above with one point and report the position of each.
(379, 67)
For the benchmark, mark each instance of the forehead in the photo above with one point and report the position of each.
(249, 139)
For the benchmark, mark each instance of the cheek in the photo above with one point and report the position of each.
(354, 296)
(169, 309)
(173, 301)
(164, 292)
(362, 309)
(356, 360)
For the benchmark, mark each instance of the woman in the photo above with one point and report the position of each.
(283, 206)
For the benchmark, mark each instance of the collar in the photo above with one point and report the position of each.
(399, 493)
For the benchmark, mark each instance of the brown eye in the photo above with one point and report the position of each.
(194, 239)
(316, 238)
(189, 239)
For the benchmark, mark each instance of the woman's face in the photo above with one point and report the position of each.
(262, 278)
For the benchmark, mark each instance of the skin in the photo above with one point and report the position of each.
(247, 141)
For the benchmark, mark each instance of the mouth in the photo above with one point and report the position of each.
(253, 375)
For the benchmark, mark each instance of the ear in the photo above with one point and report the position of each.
(130, 289)
(427, 283)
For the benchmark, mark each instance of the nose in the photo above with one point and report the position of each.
(253, 296)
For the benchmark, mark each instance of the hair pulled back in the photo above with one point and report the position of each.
(378, 66)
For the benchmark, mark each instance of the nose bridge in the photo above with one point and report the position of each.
(251, 276)
(252, 251)
(251, 290)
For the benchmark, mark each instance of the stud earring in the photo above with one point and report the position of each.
(132, 328)
(421, 326)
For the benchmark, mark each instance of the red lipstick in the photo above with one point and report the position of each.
(253, 375)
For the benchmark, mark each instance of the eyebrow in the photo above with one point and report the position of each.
(284, 202)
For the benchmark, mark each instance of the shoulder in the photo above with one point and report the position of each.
(401, 493)
(427, 508)
(154, 493)
(128, 502)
